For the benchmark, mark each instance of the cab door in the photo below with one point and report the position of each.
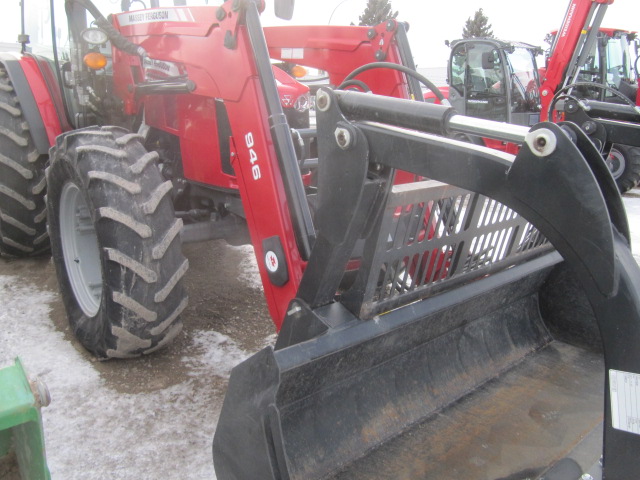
(478, 81)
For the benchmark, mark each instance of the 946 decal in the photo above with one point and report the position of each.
(253, 156)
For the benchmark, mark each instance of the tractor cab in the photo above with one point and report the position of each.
(79, 65)
(495, 80)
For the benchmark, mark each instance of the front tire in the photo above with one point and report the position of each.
(624, 164)
(115, 243)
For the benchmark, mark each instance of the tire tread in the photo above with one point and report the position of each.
(143, 268)
(22, 180)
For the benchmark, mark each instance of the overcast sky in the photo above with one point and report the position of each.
(431, 22)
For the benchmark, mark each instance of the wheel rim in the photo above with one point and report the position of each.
(616, 163)
(80, 249)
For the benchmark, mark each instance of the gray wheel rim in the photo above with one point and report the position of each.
(80, 249)
(616, 163)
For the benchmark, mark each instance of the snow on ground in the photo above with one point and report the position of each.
(218, 354)
(93, 431)
(249, 267)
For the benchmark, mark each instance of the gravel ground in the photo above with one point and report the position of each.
(152, 417)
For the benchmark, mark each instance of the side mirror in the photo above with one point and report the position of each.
(490, 60)
(284, 9)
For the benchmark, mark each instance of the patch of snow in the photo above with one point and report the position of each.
(24, 320)
(270, 340)
(94, 432)
(215, 354)
(250, 273)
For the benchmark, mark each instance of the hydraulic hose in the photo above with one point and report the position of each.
(354, 83)
(406, 70)
(118, 41)
(566, 88)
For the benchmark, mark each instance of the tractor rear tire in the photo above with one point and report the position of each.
(624, 163)
(115, 242)
(23, 226)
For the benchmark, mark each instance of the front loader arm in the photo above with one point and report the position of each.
(270, 185)
(222, 52)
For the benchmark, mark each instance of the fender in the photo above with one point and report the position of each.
(36, 100)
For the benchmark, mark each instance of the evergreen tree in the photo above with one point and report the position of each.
(478, 27)
(377, 11)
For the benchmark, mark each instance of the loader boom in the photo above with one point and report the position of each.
(263, 166)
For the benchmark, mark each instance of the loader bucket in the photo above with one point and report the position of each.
(467, 346)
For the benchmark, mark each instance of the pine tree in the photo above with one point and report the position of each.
(377, 11)
(478, 27)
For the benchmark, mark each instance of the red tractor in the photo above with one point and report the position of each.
(158, 150)
(399, 300)
(610, 62)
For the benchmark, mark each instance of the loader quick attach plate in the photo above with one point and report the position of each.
(465, 347)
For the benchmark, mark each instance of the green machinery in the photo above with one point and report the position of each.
(20, 421)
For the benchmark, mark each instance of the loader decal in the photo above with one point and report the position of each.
(159, 69)
(624, 388)
(253, 156)
(567, 22)
(271, 261)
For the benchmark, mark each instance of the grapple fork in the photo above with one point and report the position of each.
(465, 291)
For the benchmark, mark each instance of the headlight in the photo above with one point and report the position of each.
(302, 103)
(94, 36)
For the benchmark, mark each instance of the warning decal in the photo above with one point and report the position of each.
(624, 388)
(155, 15)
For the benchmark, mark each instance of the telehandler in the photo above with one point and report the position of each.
(445, 310)
(500, 80)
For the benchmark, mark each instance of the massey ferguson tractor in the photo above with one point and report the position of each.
(445, 310)
(587, 69)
